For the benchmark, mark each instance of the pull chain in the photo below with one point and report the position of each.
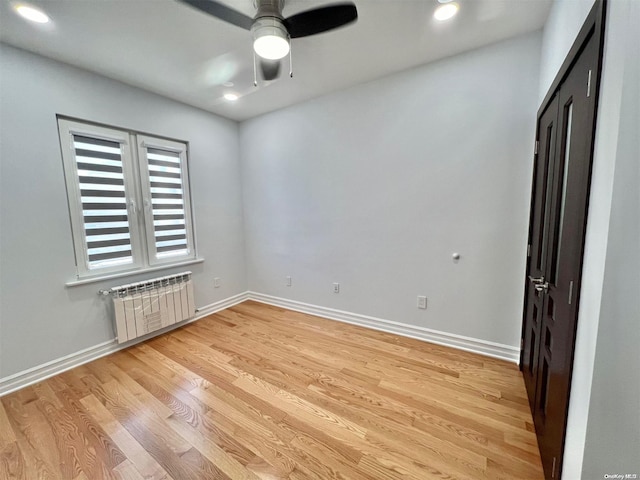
(290, 58)
(255, 74)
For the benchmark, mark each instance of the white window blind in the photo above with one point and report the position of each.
(164, 176)
(104, 202)
(130, 208)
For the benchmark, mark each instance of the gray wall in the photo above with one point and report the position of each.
(40, 319)
(560, 30)
(613, 431)
(376, 186)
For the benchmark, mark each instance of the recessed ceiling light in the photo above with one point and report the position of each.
(228, 84)
(31, 13)
(232, 97)
(446, 11)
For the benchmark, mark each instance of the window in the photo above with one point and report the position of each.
(128, 199)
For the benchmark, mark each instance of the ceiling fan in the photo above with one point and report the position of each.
(272, 32)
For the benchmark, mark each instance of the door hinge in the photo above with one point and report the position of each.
(536, 147)
(570, 291)
(589, 85)
(521, 343)
(528, 251)
(553, 469)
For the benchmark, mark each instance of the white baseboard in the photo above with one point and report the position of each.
(41, 372)
(220, 305)
(482, 347)
(37, 374)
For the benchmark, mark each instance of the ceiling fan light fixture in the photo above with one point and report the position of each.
(270, 38)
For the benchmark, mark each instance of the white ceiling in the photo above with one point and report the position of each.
(172, 49)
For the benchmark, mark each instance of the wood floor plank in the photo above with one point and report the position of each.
(94, 437)
(24, 396)
(174, 372)
(398, 439)
(37, 442)
(7, 435)
(12, 463)
(386, 468)
(136, 455)
(214, 373)
(193, 425)
(144, 397)
(258, 392)
(71, 435)
(302, 409)
(324, 460)
(406, 433)
(263, 438)
(127, 471)
(45, 392)
(72, 380)
(244, 413)
(153, 437)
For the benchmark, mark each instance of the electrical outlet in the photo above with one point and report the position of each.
(216, 282)
(422, 302)
(288, 281)
(336, 288)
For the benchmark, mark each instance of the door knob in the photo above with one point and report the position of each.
(536, 280)
(542, 287)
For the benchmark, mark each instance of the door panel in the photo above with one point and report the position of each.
(542, 188)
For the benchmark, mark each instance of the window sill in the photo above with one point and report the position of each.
(85, 281)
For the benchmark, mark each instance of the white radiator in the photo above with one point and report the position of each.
(144, 307)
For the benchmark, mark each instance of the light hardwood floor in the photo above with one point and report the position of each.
(258, 392)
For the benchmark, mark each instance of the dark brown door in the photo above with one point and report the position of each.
(556, 240)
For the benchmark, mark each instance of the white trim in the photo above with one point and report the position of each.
(36, 374)
(88, 130)
(129, 273)
(482, 347)
(49, 369)
(221, 305)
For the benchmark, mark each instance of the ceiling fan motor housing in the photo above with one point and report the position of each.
(269, 8)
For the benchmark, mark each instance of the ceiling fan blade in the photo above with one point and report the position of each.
(222, 12)
(270, 69)
(321, 19)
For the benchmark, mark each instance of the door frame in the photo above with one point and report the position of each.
(593, 26)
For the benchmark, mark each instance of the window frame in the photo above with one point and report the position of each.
(136, 185)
